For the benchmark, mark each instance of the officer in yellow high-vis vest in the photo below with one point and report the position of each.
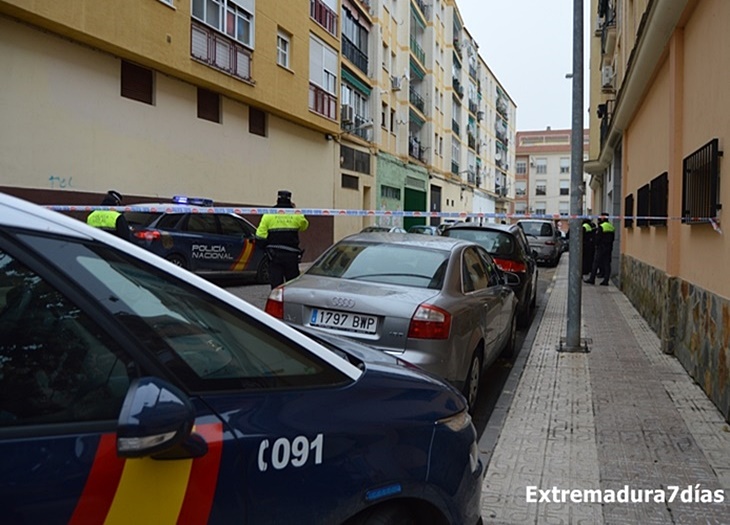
(604, 237)
(110, 220)
(280, 233)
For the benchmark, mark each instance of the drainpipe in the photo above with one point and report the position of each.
(657, 26)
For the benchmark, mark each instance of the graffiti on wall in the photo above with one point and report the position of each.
(57, 182)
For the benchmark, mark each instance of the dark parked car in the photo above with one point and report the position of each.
(221, 244)
(508, 246)
(441, 304)
(544, 237)
(133, 391)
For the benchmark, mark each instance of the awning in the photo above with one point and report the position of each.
(355, 82)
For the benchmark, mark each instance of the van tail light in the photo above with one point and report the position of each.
(275, 303)
(430, 322)
(507, 265)
(148, 235)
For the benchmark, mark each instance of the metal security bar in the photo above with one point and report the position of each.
(700, 184)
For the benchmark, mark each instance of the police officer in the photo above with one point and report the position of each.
(588, 237)
(110, 220)
(280, 232)
(604, 237)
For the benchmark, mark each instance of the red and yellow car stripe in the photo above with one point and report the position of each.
(146, 490)
(242, 261)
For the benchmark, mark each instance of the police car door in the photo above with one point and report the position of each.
(209, 249)
(65, 372)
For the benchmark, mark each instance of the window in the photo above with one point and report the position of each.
(256, 121)
(700, 184)
(283, 48)
(540, 187)
(520, 188)
(137, 82)
(540, 208)
(643, 205)
(563, 208)
(388, 192)
(41, 381)
(384, 116)
(541, 166)
(355, 160)
(658, 195)
(235, 18)
(209, 105)
(386, 57)
(322, 65)
(564, 187)
(564, 165)
(521, 167)
(392, 120)
(349, 182)
(629, 211)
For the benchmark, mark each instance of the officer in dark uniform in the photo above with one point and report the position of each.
(110, 220)
(604, 237)
(280, 233)
(588, 238)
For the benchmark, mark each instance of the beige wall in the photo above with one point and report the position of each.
(70, 122)
(646, 155)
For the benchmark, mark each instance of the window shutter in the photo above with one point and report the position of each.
(136, 82)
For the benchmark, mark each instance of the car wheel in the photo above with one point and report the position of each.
(177, 260)
(524, 316)
(385, 515)
(473, 377)
(509, 347)
(262, 272)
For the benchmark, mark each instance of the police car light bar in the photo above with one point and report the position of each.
(192, 201)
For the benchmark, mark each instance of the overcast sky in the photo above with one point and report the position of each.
(528, 45)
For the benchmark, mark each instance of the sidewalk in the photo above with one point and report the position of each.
(624, 420)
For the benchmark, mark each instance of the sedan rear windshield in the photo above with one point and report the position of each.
(495, 242)
(540, 229)
(384, 263)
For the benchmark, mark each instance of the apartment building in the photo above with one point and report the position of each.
(350, 104)
(543, 173)
(660, 120)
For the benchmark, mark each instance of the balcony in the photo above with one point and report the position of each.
(472, 72)
(502, 106)
(457, 47)
(416, 100)
(322, 103)
(455, 127)
(458, 88)
(323, 15)
(473, 106)
(219, 51)
(415, 149)
(354, 55)
(417, 50)
(472, 140)
(422, 6)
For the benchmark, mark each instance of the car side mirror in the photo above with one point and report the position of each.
(157, 420)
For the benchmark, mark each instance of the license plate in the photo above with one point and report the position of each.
(344, 321)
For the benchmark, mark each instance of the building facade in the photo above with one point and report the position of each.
(349, 104)
(543, 173)
(660, 119)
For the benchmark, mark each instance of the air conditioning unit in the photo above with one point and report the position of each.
(607, 76)
(395, 83)
(347, 115)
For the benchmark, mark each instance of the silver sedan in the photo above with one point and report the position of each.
(436, 302)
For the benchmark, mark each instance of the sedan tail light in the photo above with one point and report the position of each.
(148, 235)
(275, 303)
(507, 265)
(430, 322)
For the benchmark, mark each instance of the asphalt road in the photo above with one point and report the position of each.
(493, 380)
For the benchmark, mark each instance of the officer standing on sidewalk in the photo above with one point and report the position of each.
(280, 233)
(604, 237)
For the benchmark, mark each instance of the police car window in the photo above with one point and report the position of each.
(231, 225)
(169, 221)
(206, 343)
(56, 364)
(202, 223)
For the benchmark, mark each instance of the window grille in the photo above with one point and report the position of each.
(658, 203)
(349, 182)
(629, 211)
(643, 203)
(700, 184)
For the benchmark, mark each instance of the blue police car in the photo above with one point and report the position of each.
(132, 391)
(203, 242)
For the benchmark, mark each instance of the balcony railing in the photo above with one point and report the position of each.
(354, 55)
(473, 106)
(417, 50)
(219, 51)
(322, 102)
(415, 149)
(417, 100)
(323, 15)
